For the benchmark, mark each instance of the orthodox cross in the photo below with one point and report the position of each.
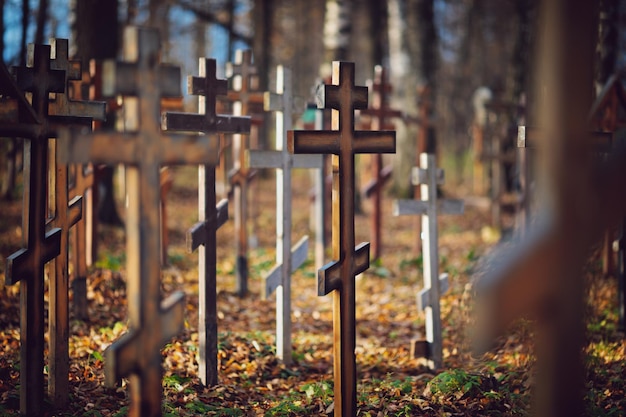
(288, 259)
(428, 177)
(338, 276)
(63, 110)
(379, 112)
(41, 77)
(142, 82)
(202, 235)
(243, 96)
(40, 247)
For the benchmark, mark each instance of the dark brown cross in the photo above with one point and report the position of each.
(338, 276)
(202, 235)
(379, 111)
(27, 264)
(62, 110)
(144, 149)
(243, 96)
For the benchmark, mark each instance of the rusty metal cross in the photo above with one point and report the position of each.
(338, 276)
(202, 235)
(142, 82)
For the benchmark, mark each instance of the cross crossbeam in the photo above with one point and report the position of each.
(202, 235)
(144, 149)
(343, 141)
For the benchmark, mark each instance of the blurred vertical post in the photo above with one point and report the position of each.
(542, 277)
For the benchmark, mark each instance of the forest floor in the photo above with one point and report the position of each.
(253, 382)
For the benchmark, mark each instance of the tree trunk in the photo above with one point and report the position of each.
(413, 61)
(263, 12)
(94, 19)
(42, 14)
(606, 48)
(25, 13)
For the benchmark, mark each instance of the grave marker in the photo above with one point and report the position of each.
(338, 276)
(41, 77)
(288, 259)
(202, 235)
(63, 110)
(429, 178)
(379, 113)
(143, 149)
(26, 266)
(243, 97)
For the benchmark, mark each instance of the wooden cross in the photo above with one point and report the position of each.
(63, 110)
(338, 276)
(288, 259)
(40, 247)
(84, 182)
(429, 178)
(203, 234)
(379, 113)
(141, 80)
(241, 72)
(82, 236)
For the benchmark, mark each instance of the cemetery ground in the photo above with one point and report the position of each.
(253, 382)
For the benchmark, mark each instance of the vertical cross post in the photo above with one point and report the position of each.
(428, 177)
(27, 264)
(202, 235)
(242, 96)
(142, 82)
(343, 97)
(379, 112)
(288, 259)
(81, 237)
(67, 213)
